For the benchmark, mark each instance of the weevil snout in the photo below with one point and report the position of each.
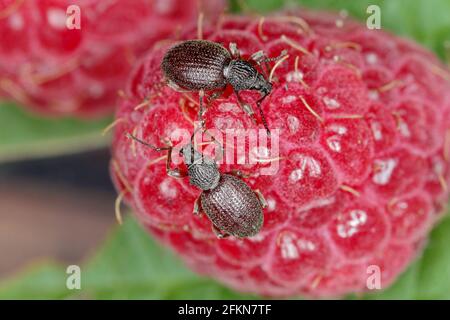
(265, 87)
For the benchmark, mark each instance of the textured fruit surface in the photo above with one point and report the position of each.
(364, 126)
(61, 71)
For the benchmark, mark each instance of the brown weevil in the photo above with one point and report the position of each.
(202, 65)
(231, 205)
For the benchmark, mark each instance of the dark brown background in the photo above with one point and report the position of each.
(59, 208)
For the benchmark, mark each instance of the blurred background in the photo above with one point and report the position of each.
(54, 208)
(56, 197)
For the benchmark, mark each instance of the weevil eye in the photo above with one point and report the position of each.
(266, 87)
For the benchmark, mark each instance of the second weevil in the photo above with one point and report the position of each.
(231, 205)
(202, 65)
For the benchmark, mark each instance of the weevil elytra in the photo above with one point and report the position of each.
(231, 205)
(202, 65)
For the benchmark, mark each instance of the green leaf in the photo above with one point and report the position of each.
(24, 135)
(129, 266)
(405, 288)
(434, 276)
(43, 281)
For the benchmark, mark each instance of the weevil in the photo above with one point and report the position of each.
(202, 65)
(231, 205)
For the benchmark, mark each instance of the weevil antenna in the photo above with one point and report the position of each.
(261, 113)
(131, 136)
(194, 133)
(192, 142)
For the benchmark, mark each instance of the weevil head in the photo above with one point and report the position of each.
(262, 85)
(203, 171)
(242, 75)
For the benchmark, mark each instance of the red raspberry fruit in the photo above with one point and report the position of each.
(60, 71)
(364, 146)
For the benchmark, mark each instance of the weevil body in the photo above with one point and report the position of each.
(231, 205)
(201, 65)
(205, 65)
(196, 65)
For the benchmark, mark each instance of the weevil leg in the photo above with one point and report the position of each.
(246, 107)
(261, 58)
(219, 157)
(131, 136)
(197, 205)
(219, 233)
(261, 198)
(235, 54)
(239, 173)
(263, 117)
(215, 95)
(175, 173)
(201, 110)
(212, 97)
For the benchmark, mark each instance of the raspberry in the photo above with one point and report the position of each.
(59, 71)
(363, 168)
